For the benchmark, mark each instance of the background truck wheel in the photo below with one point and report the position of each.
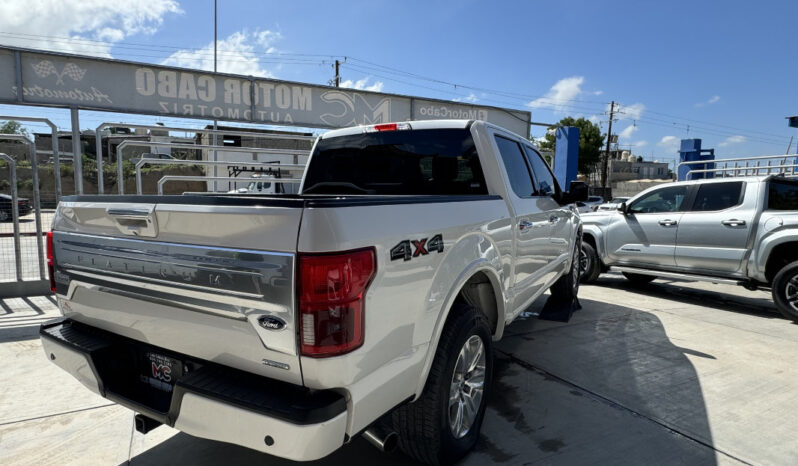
(589, 263)
(443, 424)
(785, 291)
(567, 287)
(639, 278)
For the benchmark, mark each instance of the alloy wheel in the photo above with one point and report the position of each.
(467, 387)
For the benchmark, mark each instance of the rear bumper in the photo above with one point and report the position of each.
(207, 400)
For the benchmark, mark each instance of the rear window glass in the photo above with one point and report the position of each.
(783, 195)
(411, 162)
(717, 196)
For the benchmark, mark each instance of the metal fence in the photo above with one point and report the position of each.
(23, 269)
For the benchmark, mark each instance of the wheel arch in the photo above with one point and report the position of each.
(778, 255)
(479, 283)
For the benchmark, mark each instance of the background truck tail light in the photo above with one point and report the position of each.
(51, 260)
(332, 290)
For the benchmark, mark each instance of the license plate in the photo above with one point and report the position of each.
(160, 371)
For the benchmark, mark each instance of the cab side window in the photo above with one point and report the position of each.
(717, 196)
(517, 170)
(543, 176)
(663, 200)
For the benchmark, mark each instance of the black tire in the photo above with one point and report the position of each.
(785, 291)
(589, 263)
(639, 278)
(423, 426)
(566, 287)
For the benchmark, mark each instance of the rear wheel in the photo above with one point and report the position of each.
(589, 263)
(785, 291)
(567, 286)
(639, 278)
(443, 424)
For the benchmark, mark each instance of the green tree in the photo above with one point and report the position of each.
(590, 142)
(13, 127)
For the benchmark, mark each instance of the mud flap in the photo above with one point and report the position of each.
(559, 309)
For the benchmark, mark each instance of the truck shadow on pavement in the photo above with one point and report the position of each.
(608, 387)
(757, 303)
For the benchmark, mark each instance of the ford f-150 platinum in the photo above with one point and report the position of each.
(365, 304)
(741, 230)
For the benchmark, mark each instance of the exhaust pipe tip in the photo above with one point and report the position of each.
(145, 424)
(385, 440)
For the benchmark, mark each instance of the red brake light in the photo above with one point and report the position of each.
(387, 127)
(332, 291)
(51, 260)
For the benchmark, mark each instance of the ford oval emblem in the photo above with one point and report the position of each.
(271, 322)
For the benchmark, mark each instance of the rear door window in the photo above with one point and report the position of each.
(517, 170)
(718, 196)
(782, 195)
(404, 162)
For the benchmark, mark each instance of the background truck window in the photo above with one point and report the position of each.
(782, 195)
(718, 196)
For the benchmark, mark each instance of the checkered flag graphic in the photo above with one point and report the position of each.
(44, 68)
(73, 71)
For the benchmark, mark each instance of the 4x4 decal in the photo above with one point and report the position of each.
(409, 249)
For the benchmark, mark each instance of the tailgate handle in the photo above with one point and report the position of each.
(129, 213)
(134, 222)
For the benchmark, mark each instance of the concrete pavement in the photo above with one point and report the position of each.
(666, 373)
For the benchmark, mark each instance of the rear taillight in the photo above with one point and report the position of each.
(51, 260)
(332, 290)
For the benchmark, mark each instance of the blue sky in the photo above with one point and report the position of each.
(721, 71)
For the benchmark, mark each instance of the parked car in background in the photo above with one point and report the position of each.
(593, 201)
(6, 212)
(612, 205)
(367, 304)
(260, 184)
(740, 230)
(153, 156)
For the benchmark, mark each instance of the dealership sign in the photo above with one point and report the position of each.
(53, 79)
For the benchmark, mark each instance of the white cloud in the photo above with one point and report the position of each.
(470, 98)
(711, 101)
(595, 119)
(598, 92)
(640, 143)
(237, 54)
(670, 143)
(363, 84)
(737, 139)
(46, 24)
(628, 132)
(629, 112)
(562, 92)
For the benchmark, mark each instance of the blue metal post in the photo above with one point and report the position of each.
(566, 155)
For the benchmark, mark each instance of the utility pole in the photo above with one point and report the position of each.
(215, 121)
(605, 162)
(337, 80)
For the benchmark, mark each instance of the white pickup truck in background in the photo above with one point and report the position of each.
(366, 304)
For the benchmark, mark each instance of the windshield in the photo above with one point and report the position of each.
(433, 161)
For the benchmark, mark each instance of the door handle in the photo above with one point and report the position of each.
(733, 222)
(667, 222)
(524, 225)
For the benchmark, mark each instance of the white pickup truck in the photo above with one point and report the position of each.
(365, 305)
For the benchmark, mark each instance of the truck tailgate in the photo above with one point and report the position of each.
(209, 281)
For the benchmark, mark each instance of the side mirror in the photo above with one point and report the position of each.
(577, 193)
(623, 208)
